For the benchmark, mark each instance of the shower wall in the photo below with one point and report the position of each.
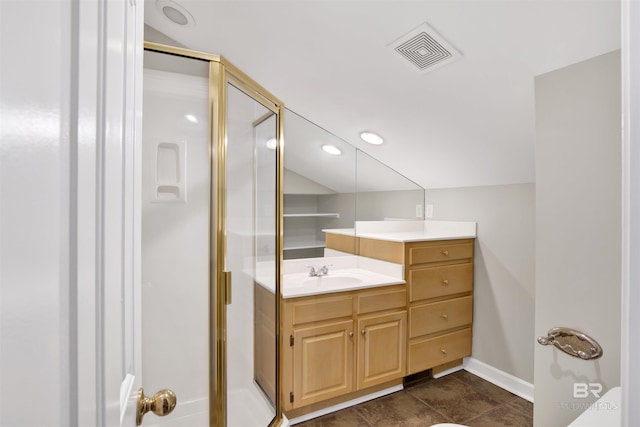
(175, 243)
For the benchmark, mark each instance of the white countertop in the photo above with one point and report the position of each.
(409, 231)
(346, 273)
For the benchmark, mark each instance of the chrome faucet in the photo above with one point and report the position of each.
(312, 271)
(322, 271)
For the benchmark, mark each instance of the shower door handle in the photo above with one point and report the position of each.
(227, 287)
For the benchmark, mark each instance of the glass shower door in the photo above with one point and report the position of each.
(251, 257)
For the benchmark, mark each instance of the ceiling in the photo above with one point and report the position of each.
(467, 123)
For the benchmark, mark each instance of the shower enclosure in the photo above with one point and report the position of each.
(211, 203)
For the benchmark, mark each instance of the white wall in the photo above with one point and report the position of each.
(578, 229)
(630, 369)
(504, 285)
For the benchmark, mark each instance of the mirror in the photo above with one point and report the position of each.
(382, 194)
(319, 187)
(324, 191)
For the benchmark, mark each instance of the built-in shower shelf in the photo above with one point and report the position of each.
(312, 215)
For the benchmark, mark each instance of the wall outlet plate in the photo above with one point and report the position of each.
(429, 211)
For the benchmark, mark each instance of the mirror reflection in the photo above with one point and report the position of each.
(329, 185)
(319, 186)
(385, 195)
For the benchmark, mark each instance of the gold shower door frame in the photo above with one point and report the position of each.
(221, 73)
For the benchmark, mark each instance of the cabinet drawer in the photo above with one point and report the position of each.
(322, 308)
(437, 351)
(435, 282)
(439, 316)
(382, 300)
(436, 253)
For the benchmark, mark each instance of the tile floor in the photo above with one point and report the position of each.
(459, 397)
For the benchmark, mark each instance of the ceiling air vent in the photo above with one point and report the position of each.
(425, 49)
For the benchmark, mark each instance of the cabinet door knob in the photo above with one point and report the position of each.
(363, 332)
(350, 334)
(445, 253)
(443, 350)
(445, 316)
(445, 282)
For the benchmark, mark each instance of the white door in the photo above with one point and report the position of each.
(578, 233)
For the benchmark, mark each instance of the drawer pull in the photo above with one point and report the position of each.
(445, 317)
(443, 350)
(445, 282)
(445, 253)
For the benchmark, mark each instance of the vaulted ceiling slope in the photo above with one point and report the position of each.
(467, 123)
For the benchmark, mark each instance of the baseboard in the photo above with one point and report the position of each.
(448, 371)
(500, 378)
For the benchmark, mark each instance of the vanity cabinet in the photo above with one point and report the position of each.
(440, 282)
(322, 362)
(264, 341)
(381, 348)
(439, 276)
(335, 345)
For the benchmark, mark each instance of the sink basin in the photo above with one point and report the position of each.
(332, 281)
(298, 284)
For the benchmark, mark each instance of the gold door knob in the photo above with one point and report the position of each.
(350, 334)
(161, 404)
(445, 317)
(363, 332)
(444, 351)
(445, 282)
(445, 253)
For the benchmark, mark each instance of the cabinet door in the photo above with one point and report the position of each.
(381, 349)
(323, 362)
(264, 338)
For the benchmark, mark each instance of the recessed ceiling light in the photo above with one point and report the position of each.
(191, 118)
(371, 138)
(332, 150)
(272, 143)
(175, 13)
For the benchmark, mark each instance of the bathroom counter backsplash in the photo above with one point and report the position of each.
(345, 273)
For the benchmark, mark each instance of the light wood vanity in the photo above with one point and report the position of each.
(342, 345)
(439, 276)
